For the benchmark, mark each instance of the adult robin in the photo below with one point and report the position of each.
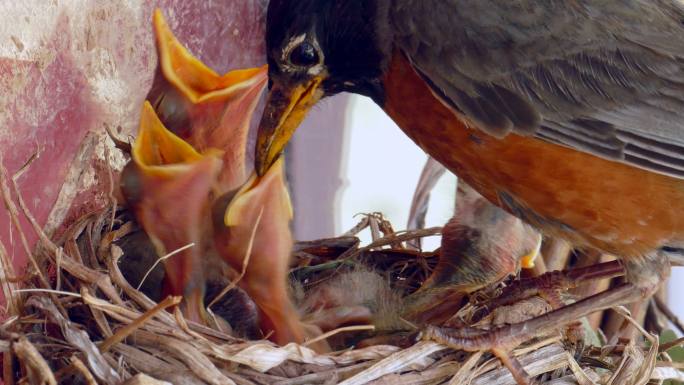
(568, 114)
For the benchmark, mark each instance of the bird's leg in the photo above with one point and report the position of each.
(547, 284)
(649, 272)
(510, 336)
(644, 277)
(519, 373)
(505, 338)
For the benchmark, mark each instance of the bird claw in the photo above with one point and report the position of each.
(546, 285)
(501, 340)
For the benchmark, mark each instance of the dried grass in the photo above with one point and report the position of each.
(77, 320)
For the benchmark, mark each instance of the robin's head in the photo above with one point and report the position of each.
(318, 48)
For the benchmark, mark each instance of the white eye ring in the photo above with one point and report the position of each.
(294, 43)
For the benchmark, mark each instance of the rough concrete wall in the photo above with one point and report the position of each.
(69, 68)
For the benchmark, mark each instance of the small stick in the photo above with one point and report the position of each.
(164, 258)
(118, 143)
(358, 228)
(396, 237)
(338, 331)
(245, 262)
(26, 164)
(58, 263)
(81, 368)
(48, 291)
(110, 184)
(14, 217)
(671, 344)
(38, 369)
(672, 317)
(374, 227)
(8, 367)
(517, 370)
(127, 330)
(9, 283)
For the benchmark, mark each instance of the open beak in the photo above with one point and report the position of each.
(286, 107)
(191, 77)
(255, 224)
(206, 109)
(168, 183)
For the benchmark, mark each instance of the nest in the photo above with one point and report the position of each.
(77, 319)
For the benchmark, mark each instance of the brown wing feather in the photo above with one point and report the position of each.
(605, 77)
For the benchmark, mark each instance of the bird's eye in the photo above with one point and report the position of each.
(304, 55)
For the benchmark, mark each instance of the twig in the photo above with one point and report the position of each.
(357, 228)
(77, 338)
(314, 378)
(118, 143)
(127, 330)
(671, 316)
(110, 184)
(197, 362)
(164, 258)
(462, 374)
(245, 261)
(628, 316)
(38, 371)
(671, 344)
(137, 296)
(81, 368)
(24, 167)
(374, 228)
(37, 290)
(667, 374)
(9, 287)
(14, 217)
(397, 237)
(58, 264)
(395, 362)
(8, 367)
(429, 176)
(338, 331)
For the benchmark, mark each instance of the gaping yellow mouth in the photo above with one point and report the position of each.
(197, 82)
(258, 185)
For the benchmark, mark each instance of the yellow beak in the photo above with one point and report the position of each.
(285, 110)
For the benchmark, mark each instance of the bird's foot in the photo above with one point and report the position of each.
(499, 341)
(503, 339)
(548, 285)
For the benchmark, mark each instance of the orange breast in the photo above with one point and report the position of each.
(588, 200)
